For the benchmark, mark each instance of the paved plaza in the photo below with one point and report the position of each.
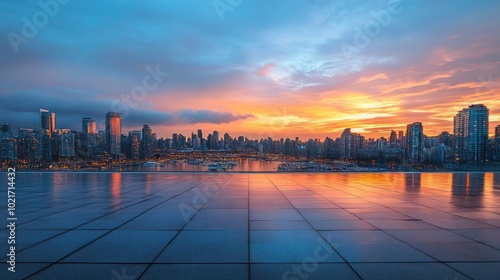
(255, 226)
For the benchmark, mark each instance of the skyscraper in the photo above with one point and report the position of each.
(175, 140)
(65, 143)
(200, 134)
(47, 121)
(393, 138)
(215, 139)
(414, 148)
(89, 126)
(146, 143)
(350, 143)
(497, 141)
(88, 137)
(133, 146)
(471, 134)
(7, 143)
(113, 132)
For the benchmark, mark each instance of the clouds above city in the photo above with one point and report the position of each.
(289, 68)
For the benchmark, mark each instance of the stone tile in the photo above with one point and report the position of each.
(478, 270)
(22, 270)
(91, 271)
(124, 246)
(156, 222)
(207, 247)
(397, 271)
(28, 238)
(275, 215)
(488, 236)
(197, 271)
(279, 225)
(289, 246)
(340, 225)
(372, 246)
(327, 215)
(401, 224)
(386, 228)
(427, 236)
(305, 270)
(459, 252)
(57, 248)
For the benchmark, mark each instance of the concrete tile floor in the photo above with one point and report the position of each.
(256, 226)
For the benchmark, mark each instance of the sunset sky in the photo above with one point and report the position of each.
(280, 68)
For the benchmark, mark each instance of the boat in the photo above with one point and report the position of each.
(217, 167)
(195, 161)
(151, 164)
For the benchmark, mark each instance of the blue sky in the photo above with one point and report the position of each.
(265, 68)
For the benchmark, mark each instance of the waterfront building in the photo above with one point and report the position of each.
(89, 126)
(414, 148)
(497, 142)
(65, 143)
(471, 134)
(146, 151)
(113, 132)
(47, 121)
(133, 144)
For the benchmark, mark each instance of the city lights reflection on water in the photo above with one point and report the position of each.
(472, 190)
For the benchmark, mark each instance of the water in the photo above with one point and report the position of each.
(243, 165)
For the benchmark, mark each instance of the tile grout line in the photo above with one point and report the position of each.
(108, 231)
(180, 230)
(321, 236)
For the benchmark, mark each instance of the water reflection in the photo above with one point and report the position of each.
(496, 181)
(468, 189)
(413, 182)
(116, 186)
(243, 165)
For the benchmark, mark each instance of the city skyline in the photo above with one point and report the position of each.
(303, 69)
(88, 124)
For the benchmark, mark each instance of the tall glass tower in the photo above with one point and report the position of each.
(48, 121)
(497, 142)
(414, 148)
(113, 132)
(471, 134)
(89, 126)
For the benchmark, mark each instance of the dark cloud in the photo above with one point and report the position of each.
(208, 116)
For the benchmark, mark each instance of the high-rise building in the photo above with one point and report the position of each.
(175, 140)
(200, 134)
(7, 148)
(215, 139)
(29, 147)
(88, 136)
(393, 138)
(65, 143)
(89, 126)
(210, 142)
(414, 148)
(47, 121)
(44, 136)
(471, 134)
(146, 143)
(113, 132)
(497, 142)
(7, 143)
(133, 147)
(350, 144)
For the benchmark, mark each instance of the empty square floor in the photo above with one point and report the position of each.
(255, 226)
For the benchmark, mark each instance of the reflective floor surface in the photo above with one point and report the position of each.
(255, 226)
